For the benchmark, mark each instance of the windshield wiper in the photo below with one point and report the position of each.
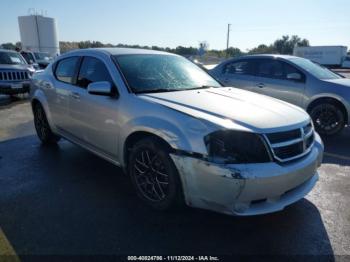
(198, 87)
(158, 90)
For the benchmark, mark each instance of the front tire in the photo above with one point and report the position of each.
(42, 126)
(154, 175)
(328, 119)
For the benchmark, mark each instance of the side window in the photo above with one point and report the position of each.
(66, 68)
(92, 70)
(270, 68)
(288, 69)
(242, 67)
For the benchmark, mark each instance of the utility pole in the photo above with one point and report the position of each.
(228, 38)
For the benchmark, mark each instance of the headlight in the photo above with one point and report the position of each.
(227, 146)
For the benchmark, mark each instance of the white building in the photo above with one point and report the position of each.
(39, 34)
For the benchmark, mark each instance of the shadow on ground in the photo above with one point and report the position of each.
(11, 101)
(64, 200)
(337, 148)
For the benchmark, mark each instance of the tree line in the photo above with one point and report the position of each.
(283, 45)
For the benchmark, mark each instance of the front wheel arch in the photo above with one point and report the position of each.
(329, 100)
(140, 139)
(133, 138)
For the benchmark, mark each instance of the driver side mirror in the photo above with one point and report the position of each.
(295, 77)
(102, 88)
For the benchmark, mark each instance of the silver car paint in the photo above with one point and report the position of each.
(300, 94)
(182, 119)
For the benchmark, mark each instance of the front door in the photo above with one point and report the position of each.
(272, 80)
(94, 117)
(63, 80)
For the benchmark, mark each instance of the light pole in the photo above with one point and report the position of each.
(228, 38)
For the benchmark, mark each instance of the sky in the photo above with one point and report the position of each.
(186, 22)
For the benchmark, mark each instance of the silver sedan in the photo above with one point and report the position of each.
(179, 135)
(323, 94)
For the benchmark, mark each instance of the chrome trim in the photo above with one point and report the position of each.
(309, 134)
(303, 139)
(287, 143)
(13, 75)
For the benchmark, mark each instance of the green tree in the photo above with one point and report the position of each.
(234, 51)
(286, 44)
(181, 50)
(262, 49)
(9, 46)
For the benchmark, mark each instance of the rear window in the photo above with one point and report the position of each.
(66, 69)
(243, 67)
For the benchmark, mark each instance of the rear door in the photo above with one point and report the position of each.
(238, 74)
(272, 81)
(94, 117)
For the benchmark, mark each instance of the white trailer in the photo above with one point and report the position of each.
(324, 55)
(39, 34)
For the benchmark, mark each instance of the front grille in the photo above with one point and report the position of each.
(292, 144)
(14, 75)
(285, 152)
(283, 136)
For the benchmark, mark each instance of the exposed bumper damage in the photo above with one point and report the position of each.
(248, 189)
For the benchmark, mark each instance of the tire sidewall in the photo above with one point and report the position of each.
(49, 137)
(337, 111)
(173, 197)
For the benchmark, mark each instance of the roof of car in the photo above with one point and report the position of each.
(267, 56)
(120, 51)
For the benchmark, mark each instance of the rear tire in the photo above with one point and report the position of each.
(42, 126)
(328, 119)
(154, 175)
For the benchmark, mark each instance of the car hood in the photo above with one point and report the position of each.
(13, 67)
(250, 110)
(339, 81)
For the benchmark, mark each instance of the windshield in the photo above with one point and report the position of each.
(315, 69)
(10, 58)
(161, 73)
(42, 56)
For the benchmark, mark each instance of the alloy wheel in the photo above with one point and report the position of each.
(40, 122)
(327, 119)
(151, 176)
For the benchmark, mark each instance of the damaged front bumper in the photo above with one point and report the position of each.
(248, 189)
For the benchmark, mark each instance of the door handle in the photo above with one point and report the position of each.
(47, 85)
(75, 95)
(260, 85)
